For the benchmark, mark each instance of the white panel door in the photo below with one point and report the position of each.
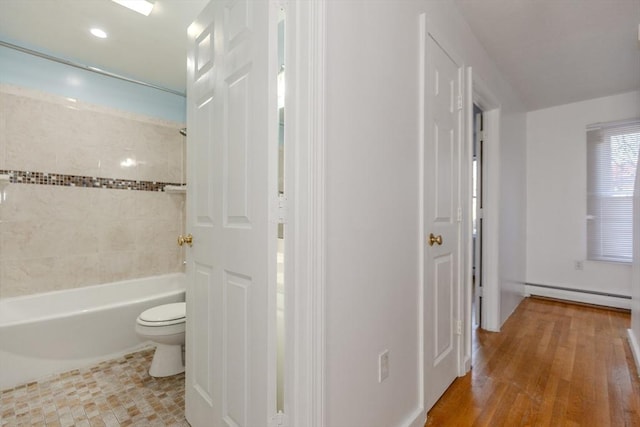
(442, 124)
(227, 104)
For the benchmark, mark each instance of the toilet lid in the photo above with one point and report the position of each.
(165, 313)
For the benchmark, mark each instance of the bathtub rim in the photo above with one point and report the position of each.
(93, 308)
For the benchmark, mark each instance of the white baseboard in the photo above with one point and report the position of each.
(635, 349)
(467, 366)
(587, 298)
(416, 419)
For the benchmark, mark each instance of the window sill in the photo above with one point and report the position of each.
(611, 261)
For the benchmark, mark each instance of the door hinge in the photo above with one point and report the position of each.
(459, 214)
(480, 213)
(458, 327)
(460, 102)
(279, 420)
(478, 291)
(283, 210)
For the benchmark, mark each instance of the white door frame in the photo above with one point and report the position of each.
(479, 93)
(305, 132)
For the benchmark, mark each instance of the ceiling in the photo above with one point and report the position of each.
(560, 51)
(150, 49)
(552, 51)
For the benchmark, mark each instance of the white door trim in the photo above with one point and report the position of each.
(467, 227)
(484, 98)
(306, 25)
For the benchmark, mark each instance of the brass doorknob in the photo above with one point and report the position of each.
(433, 239)
(188, 239)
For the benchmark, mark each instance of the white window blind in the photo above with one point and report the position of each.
(612, 159)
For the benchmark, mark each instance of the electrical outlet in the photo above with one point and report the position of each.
(383, 366)
(579, 265)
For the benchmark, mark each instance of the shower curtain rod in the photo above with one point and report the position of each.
(87, 68)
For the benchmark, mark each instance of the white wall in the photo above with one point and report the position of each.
(372, 201)
(556, 196)
(513, 214)
(372, 211)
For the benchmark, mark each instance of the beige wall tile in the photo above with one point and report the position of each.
(116, 266)
(117, 204)
(153, 160)
(3, 130)
(27, 276)
(55, 135)
(156, 233)
(48, 238)
(159, 205)
(43, 202)
(155, 262)
(29, 145)
(118, 157)
(117, 235)
(176, 165)
(54, 237)
(77, 271)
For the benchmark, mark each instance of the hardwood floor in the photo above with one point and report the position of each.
(553, 364)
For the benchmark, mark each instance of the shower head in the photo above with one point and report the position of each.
(183, 131)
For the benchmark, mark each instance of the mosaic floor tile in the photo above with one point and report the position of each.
(115, 393)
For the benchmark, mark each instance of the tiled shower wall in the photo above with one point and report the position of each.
(86, 203)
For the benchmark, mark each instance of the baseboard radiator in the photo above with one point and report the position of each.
(579, 295)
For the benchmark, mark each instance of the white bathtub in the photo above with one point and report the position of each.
(59, 331)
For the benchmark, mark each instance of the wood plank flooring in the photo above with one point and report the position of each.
(553, 364)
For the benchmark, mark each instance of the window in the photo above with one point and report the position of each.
(612, 158)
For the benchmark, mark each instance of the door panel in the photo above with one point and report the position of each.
(202, 186)
(443, 311)
(444, 151)
(229, 87)
(201, 341)
(236, 148)
(237, 289)
(442, 124)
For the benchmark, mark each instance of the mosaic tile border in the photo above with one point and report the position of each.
(44, 178)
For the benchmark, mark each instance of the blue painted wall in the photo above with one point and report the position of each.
(21, 69)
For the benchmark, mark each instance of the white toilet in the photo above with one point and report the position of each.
(165, 326)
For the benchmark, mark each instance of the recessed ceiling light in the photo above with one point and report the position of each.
(98, 33)
(141, 6)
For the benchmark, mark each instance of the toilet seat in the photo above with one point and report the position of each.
(163, 315)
